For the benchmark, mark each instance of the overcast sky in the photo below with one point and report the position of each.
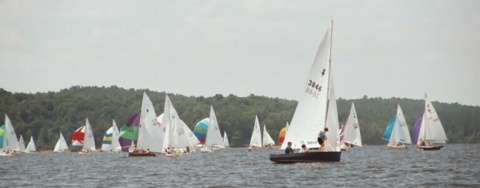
(380, 48)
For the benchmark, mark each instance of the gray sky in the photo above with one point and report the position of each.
(380, 48)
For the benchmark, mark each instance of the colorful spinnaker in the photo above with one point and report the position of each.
(129, 132)
(200, 130)
(110, 139)
(77, 138)
(281, 135)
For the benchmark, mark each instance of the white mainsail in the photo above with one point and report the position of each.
(21, 144)
(214, 136)
(225, 139)
(400, 133)
(10, 141)
(431, 129)
(267, 139)
(31, 146)
(61, 145)
(177, 134)
(352, 128)
(149, 135)
(88, 140)
(311, 113)
(256, 139)
(192, 139)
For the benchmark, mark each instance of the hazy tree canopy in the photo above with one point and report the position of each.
(45, 115)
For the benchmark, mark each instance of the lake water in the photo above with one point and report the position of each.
(370, 166)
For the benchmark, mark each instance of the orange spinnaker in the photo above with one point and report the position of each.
(281, 135)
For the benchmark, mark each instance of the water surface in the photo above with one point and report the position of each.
(370, 166)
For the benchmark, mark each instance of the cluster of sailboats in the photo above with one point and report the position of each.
(317, 109)
(427, 132)
(256, 140)
(9, 144)
(145, 133)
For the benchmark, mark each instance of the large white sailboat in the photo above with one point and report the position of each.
(428, 130)
(315, 111)
(150, 133)
(397, 133)
(177, 134)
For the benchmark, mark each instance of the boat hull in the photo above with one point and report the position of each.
(130, 154)
(308, 157)
(429, 148)
(397, 147)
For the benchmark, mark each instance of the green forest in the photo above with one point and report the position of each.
(45, 115)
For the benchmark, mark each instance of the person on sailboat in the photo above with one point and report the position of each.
(421, 142)
(304, 149)
(288, 149)
(321, 138)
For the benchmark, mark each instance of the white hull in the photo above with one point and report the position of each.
(397, 147)
(205, 150)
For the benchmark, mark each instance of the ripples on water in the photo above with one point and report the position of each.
(370, 166)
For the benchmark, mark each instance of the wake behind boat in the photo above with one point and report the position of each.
(316, 110)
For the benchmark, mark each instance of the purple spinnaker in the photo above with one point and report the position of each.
(416, 130)
(132, 124)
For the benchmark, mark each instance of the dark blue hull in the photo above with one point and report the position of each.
(310, 157)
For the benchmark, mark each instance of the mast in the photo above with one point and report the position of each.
(425, 120)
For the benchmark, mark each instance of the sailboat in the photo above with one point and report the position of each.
(21, 144)
(61, 145)
(397, 133)
(267, 139)
(10, 142)
(177, 136)
(110, 139)
(88, 140)
(256, 139)
(428, 129)
(31, 146)
(351, 131)
(316, 109)
(144, 128)
(213, 138)
(225, 139)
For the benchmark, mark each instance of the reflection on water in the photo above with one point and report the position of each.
(454, 165)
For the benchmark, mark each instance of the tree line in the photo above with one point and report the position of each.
(45, 115)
